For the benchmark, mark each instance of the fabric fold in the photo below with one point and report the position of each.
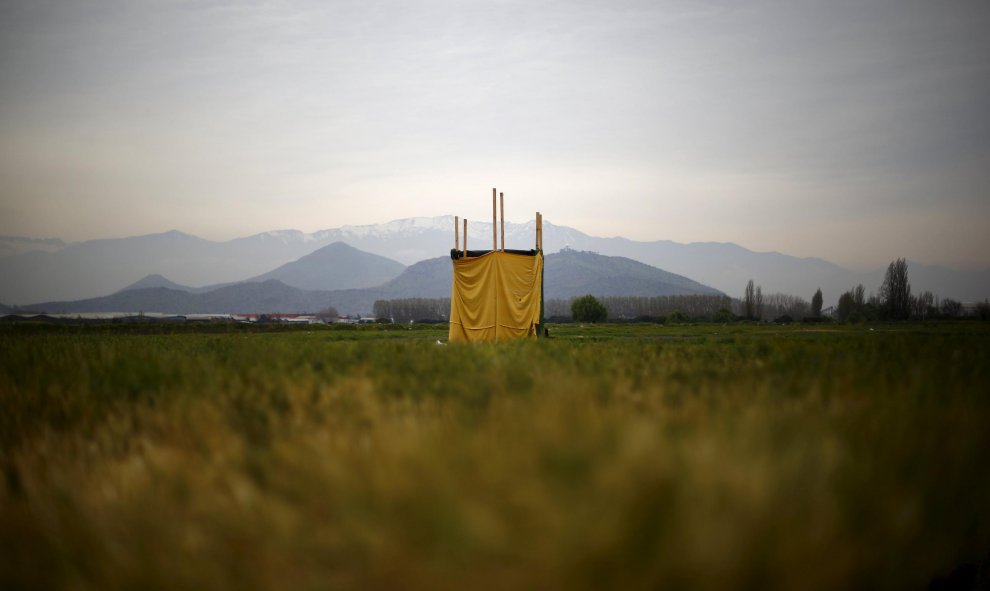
(495, 297)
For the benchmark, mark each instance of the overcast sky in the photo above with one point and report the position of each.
(856, 131)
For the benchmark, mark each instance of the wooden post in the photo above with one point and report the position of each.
(539, 231)
(541, 325)
(457, 238)
(465, 238)
(501, 201)
(494, 231)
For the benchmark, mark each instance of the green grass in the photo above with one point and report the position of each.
(615, 456)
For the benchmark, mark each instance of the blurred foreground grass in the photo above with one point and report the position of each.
(701, 457)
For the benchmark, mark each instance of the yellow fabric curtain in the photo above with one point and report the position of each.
(495, 297)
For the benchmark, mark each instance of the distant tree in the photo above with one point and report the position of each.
(328, 314)
(983, 310)
(854, 307)
(758, 302)
(951, 308)
(723, 315)
(870, 310)
(588, 309)
(895, 293)
(382, 309)
(847, 304)
(776, 305)
(923, 305)
(816, 304)
(859, 295)
(749, 301)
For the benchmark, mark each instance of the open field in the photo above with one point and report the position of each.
(617, 456)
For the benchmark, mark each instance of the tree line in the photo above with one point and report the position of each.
(413, 309)
(686, 307)
(693, 307)
(893, 301)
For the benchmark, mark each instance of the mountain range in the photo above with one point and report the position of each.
(570, 273)
(50, 270)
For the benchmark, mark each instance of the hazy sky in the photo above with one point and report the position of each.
(857, 131)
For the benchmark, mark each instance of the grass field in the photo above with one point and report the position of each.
(617, 456)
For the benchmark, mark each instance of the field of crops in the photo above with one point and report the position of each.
(617, 456)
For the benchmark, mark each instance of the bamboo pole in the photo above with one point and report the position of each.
(457, 238)
(494, 230)
(465, 238)
(501, 199)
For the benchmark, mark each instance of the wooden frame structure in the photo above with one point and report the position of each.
(461, 252)
(460, 249)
